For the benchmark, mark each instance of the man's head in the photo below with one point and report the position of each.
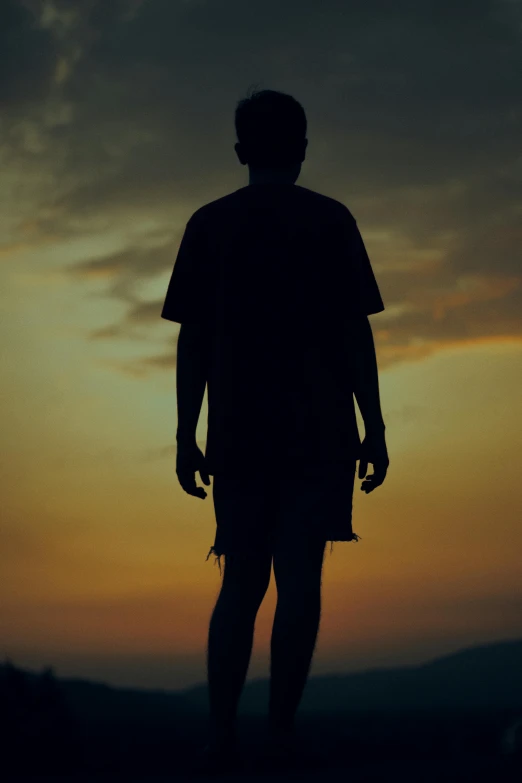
(271, 131)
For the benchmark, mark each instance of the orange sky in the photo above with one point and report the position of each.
(102, 555)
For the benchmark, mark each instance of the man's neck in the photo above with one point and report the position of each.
(270, 176)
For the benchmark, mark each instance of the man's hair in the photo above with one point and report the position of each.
(270, 127)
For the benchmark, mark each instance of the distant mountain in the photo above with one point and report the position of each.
(484, 676)
(96, 700)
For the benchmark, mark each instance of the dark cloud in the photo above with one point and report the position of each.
(27, 58)
(414, 123)
(135, 262)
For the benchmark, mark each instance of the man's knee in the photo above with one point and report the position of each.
(247, 575)
(298, 568)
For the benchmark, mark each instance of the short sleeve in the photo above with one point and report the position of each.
(188, 297)
(360, 291)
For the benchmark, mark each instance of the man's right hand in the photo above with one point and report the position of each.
(373, 449)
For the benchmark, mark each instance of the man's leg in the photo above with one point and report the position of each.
(297, 569)
(231, 632)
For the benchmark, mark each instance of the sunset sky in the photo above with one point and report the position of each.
(116, 124)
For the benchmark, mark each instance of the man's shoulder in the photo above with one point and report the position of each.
(313, 198)
(328, 203)
(211, 208)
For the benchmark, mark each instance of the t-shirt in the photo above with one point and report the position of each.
(274, 271)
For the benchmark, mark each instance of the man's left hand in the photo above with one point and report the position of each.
(190, 459)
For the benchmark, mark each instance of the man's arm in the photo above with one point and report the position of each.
(365, 374)
(191, 378)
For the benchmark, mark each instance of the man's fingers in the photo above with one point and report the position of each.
(205, 478)
(188, 484)
(374, 480)
(190, 460)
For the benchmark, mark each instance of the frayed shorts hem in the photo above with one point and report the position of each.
(219, 554)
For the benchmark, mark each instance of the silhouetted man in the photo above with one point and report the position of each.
(272, 287)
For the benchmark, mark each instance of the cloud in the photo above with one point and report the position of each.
(122, 114)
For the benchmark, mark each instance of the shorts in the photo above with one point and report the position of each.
(252, 511)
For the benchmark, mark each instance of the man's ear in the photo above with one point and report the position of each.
(239, 153)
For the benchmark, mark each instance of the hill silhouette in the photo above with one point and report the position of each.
(459, 706)
(489, 675)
